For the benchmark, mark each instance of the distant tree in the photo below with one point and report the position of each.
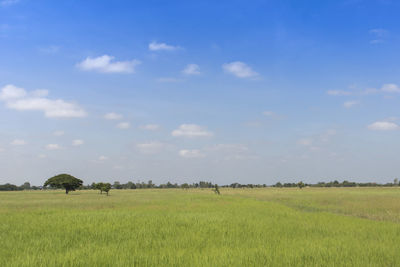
(278, 184)
(185, 186)
(106, 187)
(130, 185)
(300, 184)
(396, 181)
(150, 184)
(10, 187)
(99, 186)
(26, 186)
(117, 185)
(216, 189)
(66, 181)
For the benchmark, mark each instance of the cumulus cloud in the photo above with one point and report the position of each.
(113, 116)
(53, 147)
(150, 127)
(239, 69)
(191, 69)
(191, 153)
(151, 147)
(124, 125)
(155, 46)
(191, 130)
(18, 99)
(383, 126)
(18, 142)
(103, 158)
(77, 142)
(10, 92)
(106, 64)
(390, 88)
(350, 104)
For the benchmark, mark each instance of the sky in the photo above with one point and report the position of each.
(183, 91)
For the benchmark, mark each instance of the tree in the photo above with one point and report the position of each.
(117, 185)
(300, 184)
(66, 181)
(26, 186)
(99, 186)
(396, 181)
(216, 189)
(106, 187)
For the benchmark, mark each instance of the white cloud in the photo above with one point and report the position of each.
(383, 126)
(18, 142)
(193, 153)
(191, 69)
(106, 64)
(124, 125)
(51, 108)
(10, 92)
(350, 104)
(191, 130)
(8, 2)
(150, 127)
(58, 133)
(53, 147)
(151, 147)
(154, 46)
(113, 116)
(390, 88)
(239, 69)
(77, 142)
(42, 156)
(16, 98)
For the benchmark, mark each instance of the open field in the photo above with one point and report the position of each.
(175, 227)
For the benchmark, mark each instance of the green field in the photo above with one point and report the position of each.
(175, 227)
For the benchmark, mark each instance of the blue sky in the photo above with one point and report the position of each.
(181, 91)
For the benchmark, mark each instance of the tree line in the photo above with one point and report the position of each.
(70, 183)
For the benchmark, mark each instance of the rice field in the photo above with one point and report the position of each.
(175, 227)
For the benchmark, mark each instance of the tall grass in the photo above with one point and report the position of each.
(188, 228)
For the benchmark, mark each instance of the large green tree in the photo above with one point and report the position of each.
(66, 181)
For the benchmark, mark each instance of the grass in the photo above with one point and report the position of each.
(241, 227)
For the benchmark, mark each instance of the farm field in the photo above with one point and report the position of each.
(195, 227)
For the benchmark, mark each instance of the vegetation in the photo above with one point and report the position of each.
(66, 181)
(194, 227)
(202, 184)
